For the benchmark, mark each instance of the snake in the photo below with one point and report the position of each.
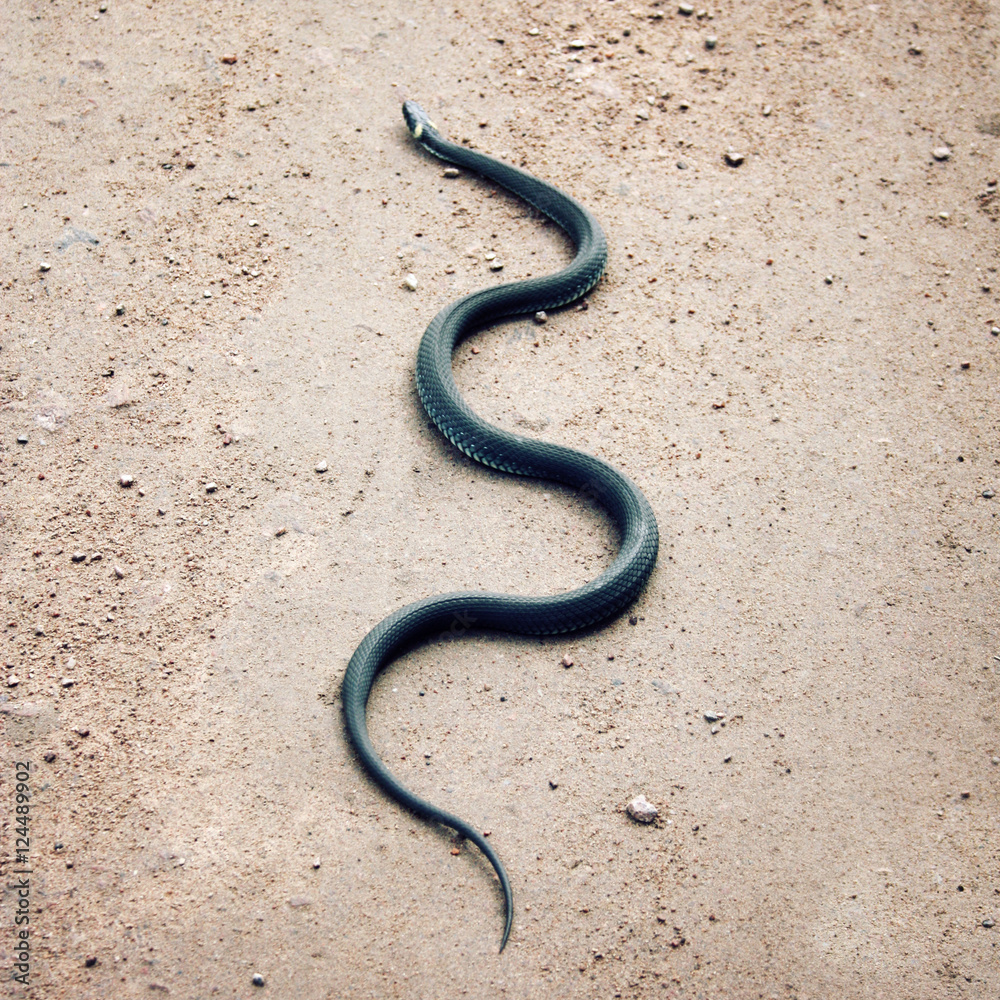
(454, 613)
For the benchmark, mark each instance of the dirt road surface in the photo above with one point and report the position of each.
(209, 211)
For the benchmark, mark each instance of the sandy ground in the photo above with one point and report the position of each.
(208, 211)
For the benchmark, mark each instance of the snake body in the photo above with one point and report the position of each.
(599, 599)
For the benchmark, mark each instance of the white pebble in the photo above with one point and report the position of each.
(44, 266)
(126, 480)
(941, 153)
(120, 573)
(410, 281)
(210, 487)
(322, 466)
(207, 294)
(642, 811)
(451, 171)
(67, 682)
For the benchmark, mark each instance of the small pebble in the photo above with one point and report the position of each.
(712, 717)
(540, 317)
(90, 961)
(451, 171)
(253, 222)
(941, 153)
(13, 681)
(316, 862)
(553, 784)
(988, 494)
(995, 331)
(496, 265)
(727, 760)
(119, 573)
(577, 43)
(44, 266)
(733, 158)
(567, 661)
(119, 310)
(686, 9)
(126, 480)
(766, 111)
(258, 979)
(642, 811)
(829, 279)
(210, 487)
(49, 757)
(22, 439)
(280, 532)
(711, 42)
(410, 282)
(322, 466)
(207, 294)
(989, 922)
(97, 557)
(715, 730)
(78, 556)
(67, 682)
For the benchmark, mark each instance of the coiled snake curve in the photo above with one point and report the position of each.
(599, 599)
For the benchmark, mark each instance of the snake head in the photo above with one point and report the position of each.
(417, 120)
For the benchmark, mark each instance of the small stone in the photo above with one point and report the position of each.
(126, 480)
(686, 9)
(44, 266)
(316, 862)
(97, 557)
(995, 760)
(119, 310)
(119, 573)
(13, 681)
(567, 661)
(322, 466)
(711, 42)
(553, 784)
(496, 265)
(410, 282)
(989, 922)
(210, 487)
(941, 153)
(829, 279)
(49, 757)
(229, 60)
(577, 43)
(988, 494)
(258, 979)
(540, 317)
(727, 759)
(712, 717)
(90, 961)
(995, 331)
(642, 811)
(252, 223)
(67, 682)
(451, 172)
(944, 216)
(733, 158)
(78, 556)
(715, 730)
(280, 532)
(82, 731)
(766, 112)
(206, 294)
(22, 439)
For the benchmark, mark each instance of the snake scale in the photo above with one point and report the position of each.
(597, 600)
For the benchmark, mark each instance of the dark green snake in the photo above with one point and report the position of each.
(604, 596)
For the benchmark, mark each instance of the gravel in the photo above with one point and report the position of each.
(941, 153)
(642, 811)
